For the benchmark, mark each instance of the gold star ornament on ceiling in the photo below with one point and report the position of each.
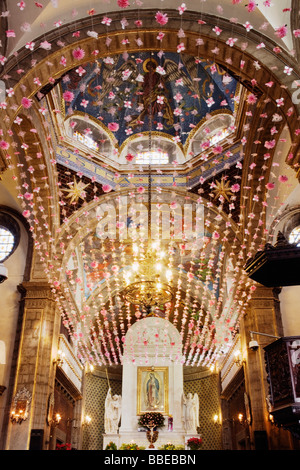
(76, 191)
(222, 188)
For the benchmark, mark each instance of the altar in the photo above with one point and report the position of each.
(152, 382)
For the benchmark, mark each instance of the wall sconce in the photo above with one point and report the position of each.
(56, 420)
(271, 418)
(241, 419)
(21, 404)
(60, 358)
(86, 421)
(217, 420)
(238, 359)
(89, 369)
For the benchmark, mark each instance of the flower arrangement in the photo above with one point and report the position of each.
(168, 446)
(194, 443)
(111, 446)
(131, 446)
(65, 446)
(152, 418)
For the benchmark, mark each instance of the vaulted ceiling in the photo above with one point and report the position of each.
(75, 114)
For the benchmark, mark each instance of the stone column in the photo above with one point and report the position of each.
(263, 316)
(35, 371)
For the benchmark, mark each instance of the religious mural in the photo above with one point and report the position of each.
(116, 92)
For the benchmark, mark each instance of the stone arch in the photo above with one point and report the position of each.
(226, 55)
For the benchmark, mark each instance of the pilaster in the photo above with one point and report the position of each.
(35, 370)
(263, 316)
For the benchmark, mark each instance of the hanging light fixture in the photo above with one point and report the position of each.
(151, 285)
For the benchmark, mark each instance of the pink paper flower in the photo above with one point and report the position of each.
(281, 32)
(21, 5)
(78, 53)
(270, 185)
(106, 188)
(251, 99)
(113, 126)
(10, 33)
(26, 102)
(182, 8)
(129, 157)
(251, 6)
(235, 188)
(123, 3)
(26, 214)
(4, 145)
(161, 18)
(269, 144)
(106, 21)
(217, 30)
(141, 190)
(68, 96)
(283, 178)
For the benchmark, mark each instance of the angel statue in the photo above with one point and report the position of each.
(113, 408)
(191, 412)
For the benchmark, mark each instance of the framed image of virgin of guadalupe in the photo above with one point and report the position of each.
(152, 389)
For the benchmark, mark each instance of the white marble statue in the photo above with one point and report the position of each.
(113, 408)
(191, 412)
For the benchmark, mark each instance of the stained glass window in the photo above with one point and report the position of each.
(7, 241)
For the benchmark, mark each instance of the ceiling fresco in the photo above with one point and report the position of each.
(116, 92)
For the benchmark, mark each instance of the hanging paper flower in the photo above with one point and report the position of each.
(80, 71)
(107, 21)
(141, 190)
(283, 178)
(182, 8)
(235, 188)
(217, 30)
(4, 145)
(78, 53)
(161, 18)
(21, 5)
(180, 47)
(251, 6)
(231, 41)
(129, 157)
(270, 186)
(269, 144)
(123, 3)
(68, 96)
(113, 126)
(106, 188)
(251, 99)
(26, 102)
(287, 70)
(281, 32)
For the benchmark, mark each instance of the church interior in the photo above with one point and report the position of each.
(149, 225)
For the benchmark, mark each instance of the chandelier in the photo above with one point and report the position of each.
(151, 281)
(150, 286)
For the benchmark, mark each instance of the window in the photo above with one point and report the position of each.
(86, 140)
(154, 157)
(7, 241)
(294, 237)
(9, 235)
